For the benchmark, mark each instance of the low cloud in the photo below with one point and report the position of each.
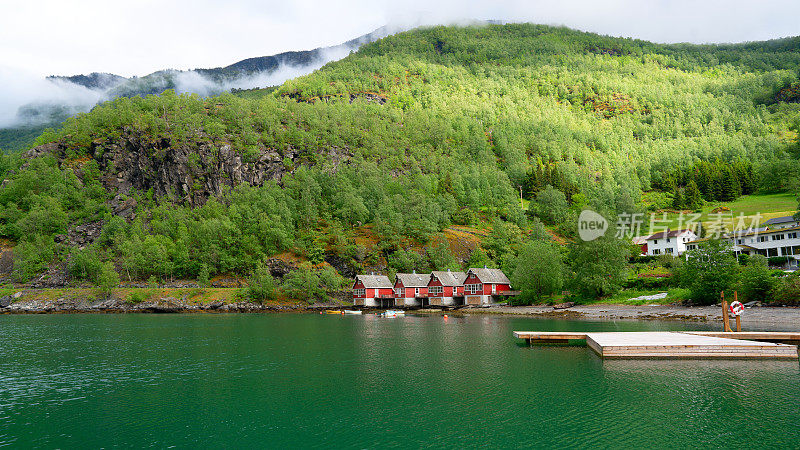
(27, 100)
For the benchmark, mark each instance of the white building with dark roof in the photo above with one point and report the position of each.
(669, 242)
(770, 242)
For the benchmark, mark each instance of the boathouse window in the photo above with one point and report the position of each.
(777, 237)
(655, 241)
(398, 292)
(656, 251)
(360, 292)
(473, 288)
(792, 235)
(762, 238)
(435, 290)
(667, 250)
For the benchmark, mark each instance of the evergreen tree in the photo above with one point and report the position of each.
(677, 199)
(692, 198)
(729, 189)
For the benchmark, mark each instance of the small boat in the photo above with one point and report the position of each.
(333, 311)
(393, 313)
(351, 311)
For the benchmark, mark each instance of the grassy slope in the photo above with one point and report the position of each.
(765, 205)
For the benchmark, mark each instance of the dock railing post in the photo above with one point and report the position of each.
(726, 324)
(738, 316)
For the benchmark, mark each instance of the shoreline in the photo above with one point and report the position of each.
(33, 302)
(774, 318)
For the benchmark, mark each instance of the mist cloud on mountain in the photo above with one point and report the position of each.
(29, 100)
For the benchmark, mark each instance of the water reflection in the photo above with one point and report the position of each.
(364, 381)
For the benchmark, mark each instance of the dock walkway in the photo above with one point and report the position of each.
(670, 345)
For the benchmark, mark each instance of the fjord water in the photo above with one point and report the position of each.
(299, 380)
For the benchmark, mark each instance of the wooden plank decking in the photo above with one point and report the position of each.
(768, 336)
(670, 345)
(549, 336)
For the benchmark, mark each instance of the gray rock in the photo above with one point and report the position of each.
(17, 295)
(215, 305)
(564, 305)
(5, 301)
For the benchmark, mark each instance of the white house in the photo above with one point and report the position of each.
(670, 242)
(770, 243)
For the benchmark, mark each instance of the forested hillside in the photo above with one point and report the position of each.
(364, 162)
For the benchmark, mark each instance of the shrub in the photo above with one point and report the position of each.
(787, 290)
(778, 261)
(309, 284)
(649, 282)
(139, 295)
(152, 282)
(204, 276)
(757, 281)
(464, 216)
(85, 265)
(32, 258)
(260, 285)
(709, 270)
(108, 279)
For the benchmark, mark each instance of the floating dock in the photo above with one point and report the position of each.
(672, 345)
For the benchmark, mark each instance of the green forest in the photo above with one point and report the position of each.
(404, 138)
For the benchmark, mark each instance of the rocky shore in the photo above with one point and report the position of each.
(761, 317)
(32, 302)
(22, 305)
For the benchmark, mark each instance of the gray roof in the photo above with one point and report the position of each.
(491, 276)
(375, 281)
(668, 233)
(777, 220)
(448, 278)
(414, 279)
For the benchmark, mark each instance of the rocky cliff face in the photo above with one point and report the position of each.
(189, 172)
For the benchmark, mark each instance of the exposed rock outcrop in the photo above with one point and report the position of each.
(189, 172)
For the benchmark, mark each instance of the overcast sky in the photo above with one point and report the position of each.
(137, 37)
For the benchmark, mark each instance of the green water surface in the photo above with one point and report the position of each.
(308, 380)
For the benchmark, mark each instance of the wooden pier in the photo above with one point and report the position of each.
(672, 345)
